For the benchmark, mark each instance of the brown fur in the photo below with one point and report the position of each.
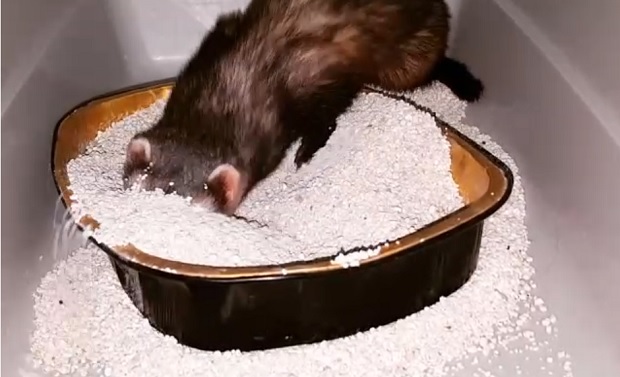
(279, 71)
(390, 43)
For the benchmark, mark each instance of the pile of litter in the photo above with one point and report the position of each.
(85, 322)
(384, 173)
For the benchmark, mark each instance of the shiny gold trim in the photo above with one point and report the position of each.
(481, 183)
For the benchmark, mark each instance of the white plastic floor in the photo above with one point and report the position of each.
(568, 159)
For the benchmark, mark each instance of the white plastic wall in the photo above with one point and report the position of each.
(537, 107)
(579, 38)
(552, 100)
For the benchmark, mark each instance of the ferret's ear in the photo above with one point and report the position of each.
(226, 184)
(139, 152)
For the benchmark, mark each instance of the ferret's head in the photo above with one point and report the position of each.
(174, 167)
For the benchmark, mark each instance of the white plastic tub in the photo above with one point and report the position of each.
(552, 100)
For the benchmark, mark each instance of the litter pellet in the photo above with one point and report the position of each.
(98, 328)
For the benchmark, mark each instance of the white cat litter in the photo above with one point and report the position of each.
(96, 329)
(384, 173)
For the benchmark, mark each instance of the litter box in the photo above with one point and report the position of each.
(551, 101)
(261, 307)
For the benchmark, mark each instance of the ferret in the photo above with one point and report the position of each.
(281, 71)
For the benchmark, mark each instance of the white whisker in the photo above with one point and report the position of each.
(66, 232)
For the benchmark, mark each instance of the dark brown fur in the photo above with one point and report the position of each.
(279, 71)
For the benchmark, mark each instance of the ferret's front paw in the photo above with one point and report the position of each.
(301, 158)
(303, 155)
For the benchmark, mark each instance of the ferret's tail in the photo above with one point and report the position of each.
(456, 76)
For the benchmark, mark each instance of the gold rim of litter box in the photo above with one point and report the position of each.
(481, 184)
